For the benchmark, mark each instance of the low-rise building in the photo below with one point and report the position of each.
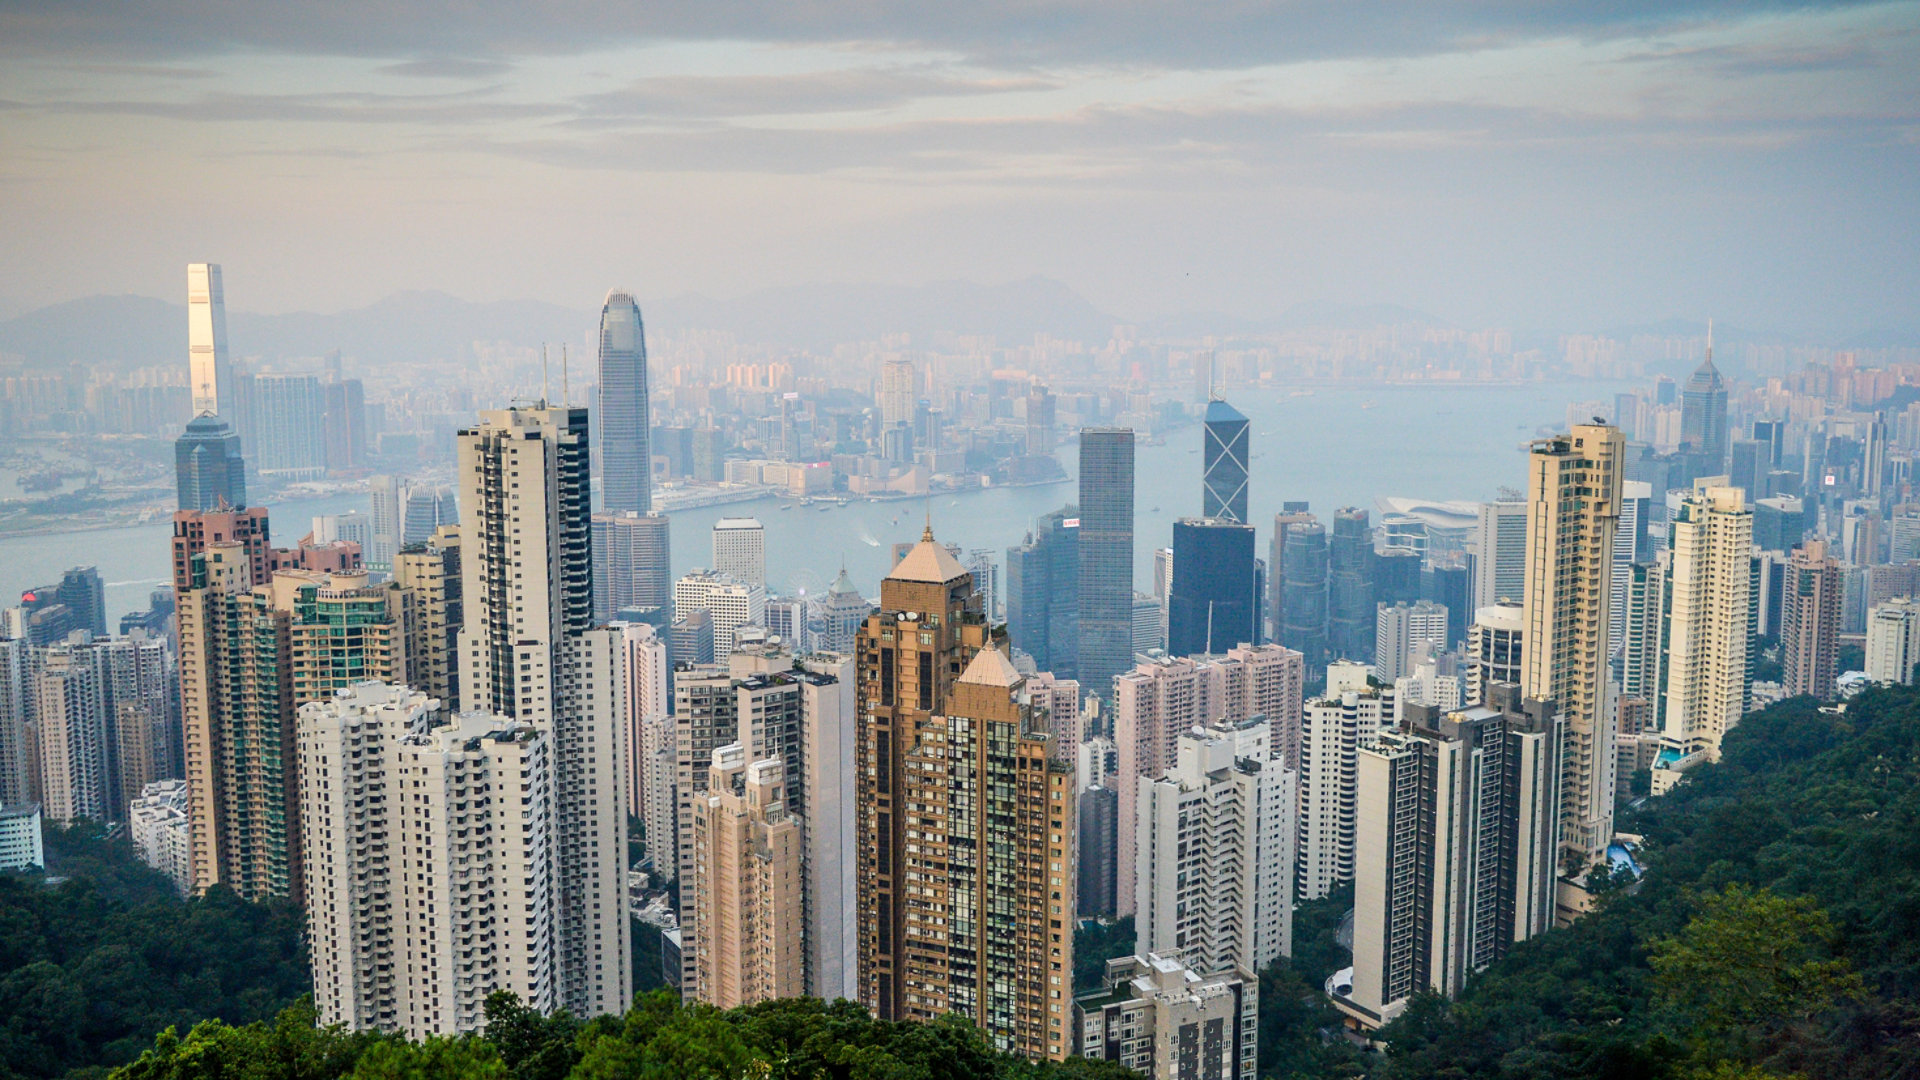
(1165, 1022)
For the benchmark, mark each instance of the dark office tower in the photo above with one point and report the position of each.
(1099, 837)
(625, 463)
(1043, 593)
(1663, 390)
(1291, 514)
(1215, 598)
(1396, 576)
(1106, 557)
(632, 563)
(709, 454)
(690, 638)
(82, 591)
(1771, 435)
(1225, 449)
(1350, 610)
(1703, 416)
(1040, 414)
(1746, 467)
(1446, 582)
(207, 466)
(1304, 618)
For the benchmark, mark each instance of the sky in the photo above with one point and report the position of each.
(1562, 165)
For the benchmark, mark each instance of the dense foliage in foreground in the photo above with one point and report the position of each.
(802, 1039)
(1777, 931)
(98, 954)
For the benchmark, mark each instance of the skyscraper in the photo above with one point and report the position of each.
(965, 824)
(1350, 606)
(1631, 544)
(1455, 852)
(387, 498)
(1106, 556)
(1304, 568)
(626, 478)
(1810, 623)
(1706, 673)
(731, 605)
(843, 612)
(1332, 730)
(1291, 514)
(289, 441)
(529, 652)
(1703, 416)
(740, 550)
(1226, 454)
(1498, 547)
(632, 563)
(207, 467)
(1043, 593)
(1404, 632)
(1214, 603)
(209, 372)
(1213, 877)
(1573, 498)
(747, 885)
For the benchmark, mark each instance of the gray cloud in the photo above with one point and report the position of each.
(1227, 33)
(683, 96)
(349, 107)
(448, 67)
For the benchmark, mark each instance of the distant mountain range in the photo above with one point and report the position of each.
(135, 331)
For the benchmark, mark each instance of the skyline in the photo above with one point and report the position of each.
(1532, 169)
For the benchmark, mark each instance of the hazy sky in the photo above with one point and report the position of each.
(1536, 164)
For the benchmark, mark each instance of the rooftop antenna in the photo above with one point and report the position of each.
(543, 374)
(927, 536)
(1709, 341)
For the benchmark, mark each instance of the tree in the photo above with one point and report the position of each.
(1752, 959)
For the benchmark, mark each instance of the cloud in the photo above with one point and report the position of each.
(1220, 34)
(685, 96)
(448, 67)
(340, 107)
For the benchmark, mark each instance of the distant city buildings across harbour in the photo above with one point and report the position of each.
(1427, 442)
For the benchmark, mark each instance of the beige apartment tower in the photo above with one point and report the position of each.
(748, 883)
(966, 821)
(1810, 621)
(1573, 511)
(1705, 684)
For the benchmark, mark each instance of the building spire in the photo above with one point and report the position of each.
(1709, 340)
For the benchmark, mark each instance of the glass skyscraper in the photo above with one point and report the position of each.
(1224, 483)
(1043, 593)
(626, 481)
(207, 466)
(209, 373)
(1303, 621)
(1214, 603)
(1106, 557)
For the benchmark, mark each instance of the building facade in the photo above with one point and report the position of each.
(626, 460)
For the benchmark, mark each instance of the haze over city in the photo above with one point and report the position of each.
(1023, 541)
(1566, 168)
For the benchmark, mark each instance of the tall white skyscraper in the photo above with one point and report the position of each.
(431, 854)
(1213, 878)
(897, 392)
(388, 527)
(1499, 549)
(1893, 640)
(626, 477)
(1629, 543)
(529, 652)
(1705, 638)
(1332, 730)
(1403, 632)
(209, 372)
(649, 695)
(740, 550)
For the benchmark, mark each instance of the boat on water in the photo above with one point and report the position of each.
(786, 506)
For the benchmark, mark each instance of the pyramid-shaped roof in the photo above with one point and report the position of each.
(928, 562)
(990, 667)
(842, 585)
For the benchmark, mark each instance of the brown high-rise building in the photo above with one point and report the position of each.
(966, 821)
(1810, 621)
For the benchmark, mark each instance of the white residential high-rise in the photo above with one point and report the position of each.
(1165, 1021)
(19, 753)
(1494, 648)
(1402, 632)
(1499, 549)
(529, 652)
(157, 823)
(740, 550)
(387, 498)
(71, 717)
(1573, 500)
(1893, 640)
(1426, 686)
(1705, 673)
(731, 603)
(1455, 851)
(649, 694)
(1332, 730)
(1163, 697)
(1629, 542)
(431, 860)
(829, 696)
(1213, 877)
(656, 778)
(209, 372)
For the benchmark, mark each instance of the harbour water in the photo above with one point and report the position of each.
(1330, 447)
